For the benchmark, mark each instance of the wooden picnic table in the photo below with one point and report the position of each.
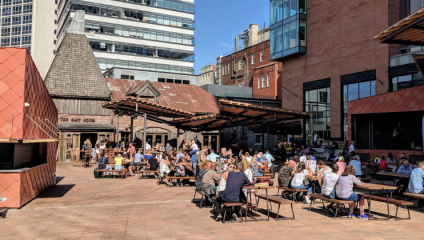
(393, 174)
(249, 192)
(373, 187)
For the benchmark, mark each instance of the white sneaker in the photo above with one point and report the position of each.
(306, 200)
(3, 199)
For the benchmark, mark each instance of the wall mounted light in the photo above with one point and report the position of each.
(26, 104)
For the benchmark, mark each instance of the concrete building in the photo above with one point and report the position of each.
(30, 24)
(207, 75)
(137, 39)
(337, 62)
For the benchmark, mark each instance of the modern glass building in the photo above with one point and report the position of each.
(20, 20)
(137, 39)
(288, 28)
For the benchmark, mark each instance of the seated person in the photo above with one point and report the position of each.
(299, 181)
(232, 192)
(382, 165)
(286, 171)
(416, 181)
(344, 191)
(148, 155)
(328, 187)
(209, 181)
(254, 166)
(203, 168)
(153, 162)
(267, 157)
(356, 164)
(118, 163)
(129, 161)
(342, 165)
(405, 168)
(223, 182)
(102, 161)
(138, 157)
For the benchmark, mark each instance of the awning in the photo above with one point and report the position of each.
(86, 127)
(145, 106)
(408, 31)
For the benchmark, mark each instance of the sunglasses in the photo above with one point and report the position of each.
(230, 167)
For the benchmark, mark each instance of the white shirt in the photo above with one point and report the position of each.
(195, 147)
(302, 159)
(351, 148)
(297, 179)
(313, 165)
(248, 159)
(148, 146)
(249, 175)
(315, 138)
(357, 165)
(329, 182)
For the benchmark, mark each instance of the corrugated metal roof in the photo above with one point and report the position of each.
(184, 97)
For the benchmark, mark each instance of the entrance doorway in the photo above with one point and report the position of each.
(91, 136)
(212, 141)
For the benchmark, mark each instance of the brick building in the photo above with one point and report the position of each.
(329, 57)
(251, 66)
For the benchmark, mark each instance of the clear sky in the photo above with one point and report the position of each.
(219, 21)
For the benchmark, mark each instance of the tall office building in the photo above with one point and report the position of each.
(30, 24)
(137, 39)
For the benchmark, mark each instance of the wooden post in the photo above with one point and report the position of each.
(117, 129)
(263, 141)
(268, 138)
(178, 139)
(144, 133)
(132, 130)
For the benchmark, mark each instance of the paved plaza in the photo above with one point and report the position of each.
(82, 207)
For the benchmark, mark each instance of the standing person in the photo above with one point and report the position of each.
(344, 191)
(352, 147)
(232, 192)
(315, 140)
(286, 172)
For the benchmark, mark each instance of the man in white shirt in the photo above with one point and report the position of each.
(303, 158)
(329, 181)
(352, 146)
(148, 146)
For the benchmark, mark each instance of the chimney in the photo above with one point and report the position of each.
(253, 34)
(78, 22)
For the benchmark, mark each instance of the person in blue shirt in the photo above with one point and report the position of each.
(405, 168)
(416, 180)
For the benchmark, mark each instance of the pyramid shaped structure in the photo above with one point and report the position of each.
(75, 72)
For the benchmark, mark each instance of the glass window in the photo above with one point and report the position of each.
(240, 65)
(352, 93)
(262, 55)
(27, 8)
(263, 81)
(16, 30)
(293, 34)
(6, 11)
(267, 80)
(26, 39)
(26, 29)
(259, 82)
(15, 41)
(5, 31)
(404, 81)
(317, 101)
(27, 19)
(364, 89)
(17, 9)
(253, 58)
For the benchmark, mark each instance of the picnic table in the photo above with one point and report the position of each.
(393, 174)
(249, 192)
(376, 187)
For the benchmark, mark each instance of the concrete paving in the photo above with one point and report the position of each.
(82, 207)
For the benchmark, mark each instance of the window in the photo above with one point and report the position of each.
(288, 39)
(130, 77)
(15, 41)
(27, 8)
(16, 20)
(258, 139)
(240, 64)
(253, 58)
(5, 21)
(397, 131)
(17, 9)
(259, 82)
(27, 19)
(267, 81)
(26, 29)
(355, 91)
(6, 11)
(16, 30)
(263, 81)
(5, 31)
(262, 56)
(26, 39)
(406, 81)
(317, 101)
(5, 42)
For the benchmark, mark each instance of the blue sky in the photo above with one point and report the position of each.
(219, 21)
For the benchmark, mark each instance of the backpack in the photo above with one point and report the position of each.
(199, 179)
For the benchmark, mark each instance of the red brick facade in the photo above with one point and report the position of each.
(339, 42)
(232, 74)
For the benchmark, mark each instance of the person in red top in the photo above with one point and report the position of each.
(383, 164)
(131, 148)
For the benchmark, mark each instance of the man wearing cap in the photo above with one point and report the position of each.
(285, 172)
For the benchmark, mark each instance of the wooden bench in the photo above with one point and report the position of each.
(230, 205)
(276, 200)
(391, 201)
(263, 177)
(122, 172)
(292, 191)
(325, 199)
(169, 179)
(414, 195)
(142, 173)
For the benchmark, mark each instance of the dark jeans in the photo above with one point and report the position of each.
(219, 201)
(404, 182)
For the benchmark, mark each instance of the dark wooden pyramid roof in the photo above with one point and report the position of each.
(75, 72)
